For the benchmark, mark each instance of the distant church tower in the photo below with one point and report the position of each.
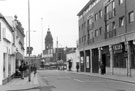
(48, 40)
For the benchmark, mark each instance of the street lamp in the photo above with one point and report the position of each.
(29, 79)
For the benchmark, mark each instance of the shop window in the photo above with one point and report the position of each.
(131, 17)
(121, 21)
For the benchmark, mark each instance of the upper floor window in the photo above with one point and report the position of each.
(121, 21)
(110, 10)
(90, 23)
(100, 30)
(96, 33)
(113, 26)
(100, 14)
(96, 16)
(107, 28)
(131, 17)
(121, 2)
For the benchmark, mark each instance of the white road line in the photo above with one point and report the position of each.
(78, 80)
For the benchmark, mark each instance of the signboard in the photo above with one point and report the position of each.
(118, 48)
(29, 50)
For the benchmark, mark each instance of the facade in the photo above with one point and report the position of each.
(10, 47)
(7, 51)
(19, 40)
(106, 35)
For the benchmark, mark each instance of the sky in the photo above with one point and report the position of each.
(58, 15)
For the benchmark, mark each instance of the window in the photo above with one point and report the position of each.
(100, 14)
(90, 23)
(96, 33)
(121, 21)
(110, 10)
(93, 34)
(100, 30)
(96, 17)
(121, 2)
(113, 26)
(4, 32)
(131, 17)
(90, 35)
(107, 28)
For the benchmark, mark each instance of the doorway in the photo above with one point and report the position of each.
(103, 70)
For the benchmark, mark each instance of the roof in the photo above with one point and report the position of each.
(85, 7)
(5, 20)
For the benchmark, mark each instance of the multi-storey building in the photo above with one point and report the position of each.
(7, 51)
(106, 34)
(11, 47)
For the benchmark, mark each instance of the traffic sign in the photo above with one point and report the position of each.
(29, 50)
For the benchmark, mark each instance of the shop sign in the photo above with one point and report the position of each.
(118, 48)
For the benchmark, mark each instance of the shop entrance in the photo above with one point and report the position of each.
(103, 68)
(95, 63)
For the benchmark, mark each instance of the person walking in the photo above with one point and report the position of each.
(22, 68)
(77, 67)
(35, 69)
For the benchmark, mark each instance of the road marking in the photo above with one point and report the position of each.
(78, 80)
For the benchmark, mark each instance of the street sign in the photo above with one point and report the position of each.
(29, 50)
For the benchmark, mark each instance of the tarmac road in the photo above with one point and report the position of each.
(54, 80)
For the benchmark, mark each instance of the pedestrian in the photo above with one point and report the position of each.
(70, 65)
(77, 67)
(21, 69)
(26, 69)
(102, 67)
(35, 69)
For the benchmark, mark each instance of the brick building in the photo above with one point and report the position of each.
(106, 34)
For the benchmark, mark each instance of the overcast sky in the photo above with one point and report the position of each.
(59, 15)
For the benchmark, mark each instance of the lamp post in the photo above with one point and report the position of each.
(29, 78)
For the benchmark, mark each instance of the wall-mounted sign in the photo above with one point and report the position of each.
(118, 48)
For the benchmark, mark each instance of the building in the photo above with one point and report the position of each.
(48, 52)
(19, 41)
(11, 47)
(106, 34)
(7, 51)
(72, 56)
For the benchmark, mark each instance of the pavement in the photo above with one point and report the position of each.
(116, 77)
(18, 84)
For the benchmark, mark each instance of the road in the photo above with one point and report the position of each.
(54, 80)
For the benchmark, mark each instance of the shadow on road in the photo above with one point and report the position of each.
(40, 88)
